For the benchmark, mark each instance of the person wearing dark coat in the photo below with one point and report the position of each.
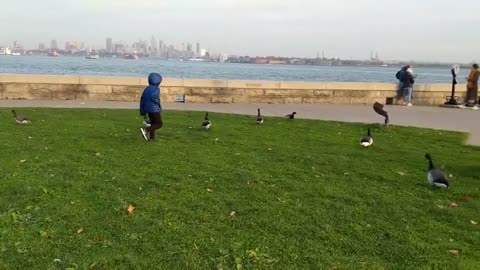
(150, 106)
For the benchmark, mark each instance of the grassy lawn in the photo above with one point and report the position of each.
(296, 194)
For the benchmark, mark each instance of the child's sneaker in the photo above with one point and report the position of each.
(144, 134)
(147, 123)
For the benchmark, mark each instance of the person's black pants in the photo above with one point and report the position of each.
(155, 122)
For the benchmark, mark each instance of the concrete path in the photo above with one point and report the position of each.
(464, 120)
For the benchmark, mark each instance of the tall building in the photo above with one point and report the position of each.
(41, 47)
(53, 45)
(154, 46)
(17, 45)
(109, 45)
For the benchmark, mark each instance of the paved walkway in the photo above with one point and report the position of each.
(465, 120)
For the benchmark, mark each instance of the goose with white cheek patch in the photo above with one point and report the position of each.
(291, 116)
(259, 118)
(206, 124)
(436, 177)
(22, 120)
(367, 141)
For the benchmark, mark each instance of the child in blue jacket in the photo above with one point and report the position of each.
(150, 106)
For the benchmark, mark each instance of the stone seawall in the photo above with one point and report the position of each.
(43, 87)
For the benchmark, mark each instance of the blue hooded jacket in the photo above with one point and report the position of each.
(150, 100)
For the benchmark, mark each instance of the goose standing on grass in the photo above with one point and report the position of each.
(259, 118)
(20, 119)
(206, 124)
(378, 108)
(436, 177)
(367, 141)
(291, 116)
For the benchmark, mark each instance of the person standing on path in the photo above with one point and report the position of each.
(400, 74)
(472, 87)
(150, 105)
(407, 84)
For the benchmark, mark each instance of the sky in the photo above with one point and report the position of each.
(420, 30)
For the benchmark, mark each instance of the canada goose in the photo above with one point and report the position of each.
(378, 108)
(20, 119)
(291, 116)
(436, 177)
(259, 118)
(367, 141)
(206, 124)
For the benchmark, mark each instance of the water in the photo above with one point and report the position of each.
(177, 69)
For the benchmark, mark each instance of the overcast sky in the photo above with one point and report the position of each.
(425, 30)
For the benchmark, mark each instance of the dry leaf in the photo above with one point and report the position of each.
(130, 209)
(453, 205)
(450, 175)
(79, 231)
(98, 154)
(23, 160)
(466, 198)
(473, 222)
(269, 149)
(454, 252)
(209, 190)
(401, 173)
(232, 213)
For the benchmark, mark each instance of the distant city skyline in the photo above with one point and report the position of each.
(428, 30)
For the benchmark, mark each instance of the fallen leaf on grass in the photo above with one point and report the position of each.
(79, 231)
(473, 222)
(98, 154)
(23, 161)
(269, 149)
(453, 205)
(450, 175)
(466, 198)
(209, 190)
(232, 213)
(401, 173)
(454, 252)
(130, 209)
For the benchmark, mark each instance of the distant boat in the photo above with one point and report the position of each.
(384, 65)
(53, 54)
(92, 56)
(16, 54)
(131, 56)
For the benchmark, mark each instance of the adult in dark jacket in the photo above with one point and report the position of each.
(407, 84)
(150, 105)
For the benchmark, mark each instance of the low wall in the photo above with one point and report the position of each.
(40, 87)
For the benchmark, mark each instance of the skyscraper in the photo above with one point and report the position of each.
(41, 47)
(154, 46)
(198, 49)
(109, 45)
(53, 45)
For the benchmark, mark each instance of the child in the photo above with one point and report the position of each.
(150, 106)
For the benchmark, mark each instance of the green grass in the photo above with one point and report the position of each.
(305, 195)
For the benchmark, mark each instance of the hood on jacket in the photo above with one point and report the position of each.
(154, 79)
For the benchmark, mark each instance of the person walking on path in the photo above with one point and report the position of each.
(407, 84)
(150, 105)
(472, 87)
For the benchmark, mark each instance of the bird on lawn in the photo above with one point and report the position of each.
(259, 118)
(206, 124)
(378, 108)
(20, 119)
(291, 116)
(367, 141)
(436, 177)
